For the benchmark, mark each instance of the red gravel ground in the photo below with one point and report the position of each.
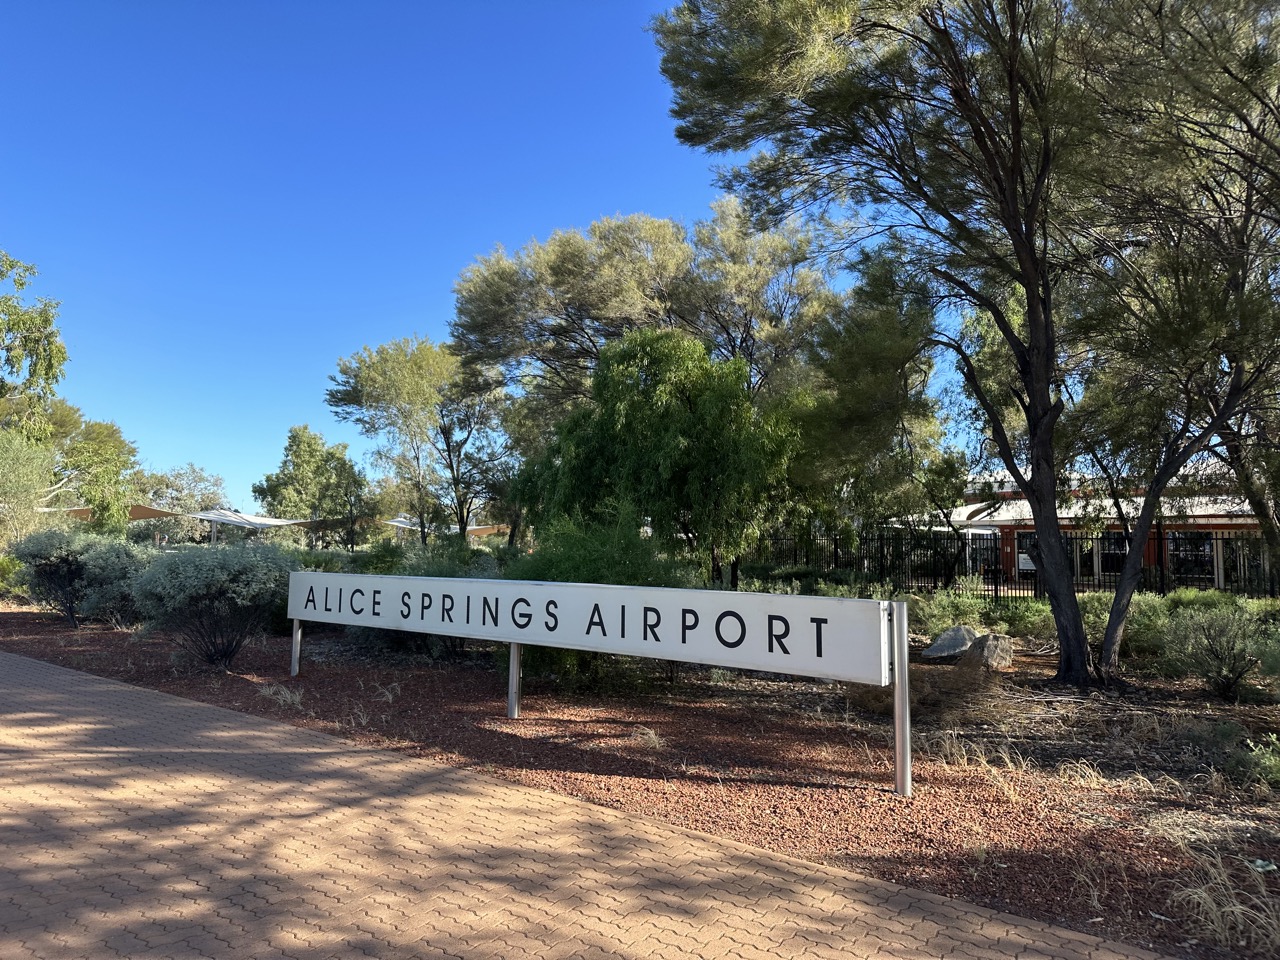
(1089, 811)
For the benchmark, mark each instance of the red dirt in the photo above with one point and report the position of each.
(790, 766)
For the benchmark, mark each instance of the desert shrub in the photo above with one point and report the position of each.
(53, 570)
(213, 600)
(1095, 609)
(1266, 609)
(573, 551)
(858, 590)
(446, 557)
(110, 569)
(384, 556)
(784, 588)
(1029, 618)
(1191, 598)
(1145, 627)
(1221, 645)
(964, 602)
(9, 569)
(1264, 759)
(317, 561)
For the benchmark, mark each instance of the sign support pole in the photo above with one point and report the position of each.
(513, 683)
(901, 701)
(297, 648)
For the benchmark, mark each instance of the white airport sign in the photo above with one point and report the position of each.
(827, 637)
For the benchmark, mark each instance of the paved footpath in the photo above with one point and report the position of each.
(136, 824)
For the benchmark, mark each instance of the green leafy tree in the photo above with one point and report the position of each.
(94, 466)
(675, 433)
(541, 317)
(437, 433)
(873, 431)
(26, 477)
(952, 122)
(100, 463)
(317, 482)
(78, 463)
(1180, 245)
(348, 495)
(187, 489)
(1016, 149)
(32, 353)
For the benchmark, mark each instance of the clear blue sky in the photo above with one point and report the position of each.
(227, 197)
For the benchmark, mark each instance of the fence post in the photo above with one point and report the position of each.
(1162, 556)
(996, 562)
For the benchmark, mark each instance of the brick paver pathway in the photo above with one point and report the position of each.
(136, 824)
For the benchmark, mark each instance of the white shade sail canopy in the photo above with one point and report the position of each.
(237, 519)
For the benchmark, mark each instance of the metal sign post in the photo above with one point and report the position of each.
(514, 683)
(901, 700)
(297, 648)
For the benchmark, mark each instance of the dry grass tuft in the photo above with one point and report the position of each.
(648, 738)
(1107, 892)
(1083, 772)
(1230, 902)
(285, 696)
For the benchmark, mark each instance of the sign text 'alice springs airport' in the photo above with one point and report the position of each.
(832, 638)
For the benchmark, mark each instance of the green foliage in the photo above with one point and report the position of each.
(571, 550)
(99, 463)
(675, 433)
(447, 557)
(110, 568)
(26, 477)
(32, 353)
(963, 603)
(1095, 609)
(1264, 759)
(1145, 624)
(81, 575)
(873, 429)
(1191, 598)
(1222, 645)
(541, 316)
(10, 568)
(383, 556)
(213, 601)
(320, 483)
(53, 569)
(317, 561)
(1025, 617)
(437, 434)
(185, 490)
(1145, 627)
(610, 549)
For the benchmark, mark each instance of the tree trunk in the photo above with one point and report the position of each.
(1075, 660)
(1108, 666)
(514, 521)
(1053, 565)
(1255, 490)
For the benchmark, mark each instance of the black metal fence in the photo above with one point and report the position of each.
(931, 559)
